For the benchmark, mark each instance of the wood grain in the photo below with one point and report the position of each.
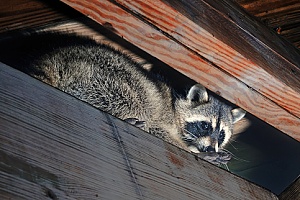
(185, 46)
(281, 16)
(190, 34)
(31, 14)
(56, 147)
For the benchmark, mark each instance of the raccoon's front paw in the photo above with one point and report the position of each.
(136, 122)
(216, 158)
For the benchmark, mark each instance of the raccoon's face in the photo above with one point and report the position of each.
(208, 130)
(206, 123)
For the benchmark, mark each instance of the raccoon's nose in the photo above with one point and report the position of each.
(210, 149)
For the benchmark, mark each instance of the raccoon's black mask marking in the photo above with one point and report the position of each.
(203, 129)
(199, 129)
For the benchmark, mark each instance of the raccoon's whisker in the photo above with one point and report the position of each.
(230, 142)
(225, 150)
(226, 167)
(232, 139)
(194, 136)
(233, 155)
(239, 159)
(228, 152)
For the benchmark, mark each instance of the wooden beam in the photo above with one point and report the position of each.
(30, 14)
(282, 16)
(53, 145)
(216, 44)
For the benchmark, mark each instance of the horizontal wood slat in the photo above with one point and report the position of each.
(29, 14)
(281, 16)
(57, 147)
(216, 44)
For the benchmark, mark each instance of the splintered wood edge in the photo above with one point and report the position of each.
(53, 145)
(199, 55)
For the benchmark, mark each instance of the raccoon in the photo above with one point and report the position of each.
(113, 82)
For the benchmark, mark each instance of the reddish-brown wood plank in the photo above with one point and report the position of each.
(217, 52)
(198, 54)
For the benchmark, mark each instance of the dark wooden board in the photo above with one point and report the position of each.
(57, 147)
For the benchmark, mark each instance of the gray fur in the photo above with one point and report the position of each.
(114, 83)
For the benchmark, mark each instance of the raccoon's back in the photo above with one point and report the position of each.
(95, 73)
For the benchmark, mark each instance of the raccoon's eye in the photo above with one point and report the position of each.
(205, 125)
(221, 137)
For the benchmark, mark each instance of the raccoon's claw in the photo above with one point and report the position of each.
(136, 122)
(215, 158)
(222, 159)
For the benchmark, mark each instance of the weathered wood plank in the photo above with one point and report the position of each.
(53, 145)
(167, 34)
(51, 141)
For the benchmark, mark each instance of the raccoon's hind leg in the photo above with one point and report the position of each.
(136, 122)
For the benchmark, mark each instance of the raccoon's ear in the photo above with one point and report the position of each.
(197, 94)
(237, 114)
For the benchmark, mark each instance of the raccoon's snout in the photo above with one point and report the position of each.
(210, 149)
(203, 137)
(207, 144)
